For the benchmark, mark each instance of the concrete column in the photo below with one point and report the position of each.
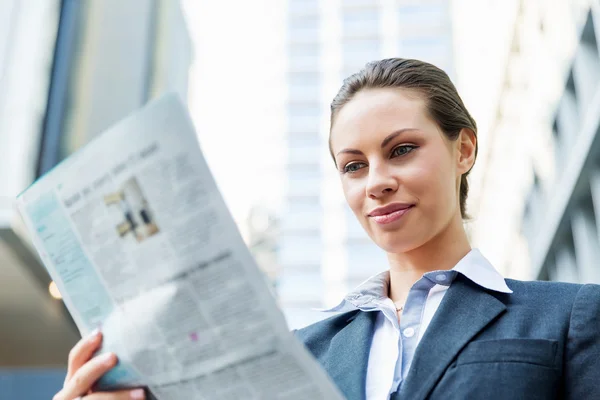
(334, 230)
(112, 74)
(587, 248)
(566, 269)
(586, 72)
(25, 59)
(568, 120)
(595, 190)
(552, 270)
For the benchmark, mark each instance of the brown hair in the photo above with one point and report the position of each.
(444, 104)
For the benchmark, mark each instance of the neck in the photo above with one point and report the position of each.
(442, 252)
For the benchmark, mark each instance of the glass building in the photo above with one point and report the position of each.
(538, 204)
(561, 216)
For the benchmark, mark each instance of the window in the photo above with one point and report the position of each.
(304, 179)
(361, 22)
(365, 259)
(304, 78)
(304, 285)
(304, 141)
(423, 14)
(352, 69)
(357, 3)
(305, 28)
(304, 92)
(304, 117)
(425, 44)
(304, 85)
(309, 172)
(353, 228)
(308, 220)
(304, 155)
(300, 249)
(308, 204)
(356, 53)
(304, 50)
(302, 125)
(363, 46)
(304, 56)
(305, 110)
(433, 49)
(298, 7)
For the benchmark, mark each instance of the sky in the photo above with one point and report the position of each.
(237, 95)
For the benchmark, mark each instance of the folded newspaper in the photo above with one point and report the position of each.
(135, 233)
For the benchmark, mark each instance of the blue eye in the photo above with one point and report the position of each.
(353, 167)
(403, 150)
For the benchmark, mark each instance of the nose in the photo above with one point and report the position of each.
(380, 182)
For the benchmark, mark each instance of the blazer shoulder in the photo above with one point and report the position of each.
(548, 292)
(543, 287)
(325, 329)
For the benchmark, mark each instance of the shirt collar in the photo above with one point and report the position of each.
(474, 266)
(478, 269)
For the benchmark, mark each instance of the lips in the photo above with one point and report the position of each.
(390, 213)
(390, 208)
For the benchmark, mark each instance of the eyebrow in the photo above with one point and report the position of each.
(384, 143)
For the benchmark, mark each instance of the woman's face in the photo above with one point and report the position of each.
(400, 174)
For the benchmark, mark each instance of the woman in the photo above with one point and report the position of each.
(441, 323)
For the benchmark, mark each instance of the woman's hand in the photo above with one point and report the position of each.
(84, 371)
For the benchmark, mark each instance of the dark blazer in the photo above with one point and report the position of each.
(540, 342)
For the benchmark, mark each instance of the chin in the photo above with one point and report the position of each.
(396, 242)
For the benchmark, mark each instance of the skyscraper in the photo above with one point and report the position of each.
(324, 252)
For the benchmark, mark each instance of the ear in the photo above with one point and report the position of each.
(466, 150)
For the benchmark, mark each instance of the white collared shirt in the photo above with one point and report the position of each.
(391, 352)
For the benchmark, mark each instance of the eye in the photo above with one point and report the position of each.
(403, 150)
(353, 167)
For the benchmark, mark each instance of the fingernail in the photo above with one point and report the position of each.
(94, 335)
(137, 394)
(107, 358)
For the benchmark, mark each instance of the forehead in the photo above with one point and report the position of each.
(375, 112)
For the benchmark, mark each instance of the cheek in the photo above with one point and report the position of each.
(354, 192)
(431, 179)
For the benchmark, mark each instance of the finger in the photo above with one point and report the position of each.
(135, 394)
(82, 352)
(85, 377)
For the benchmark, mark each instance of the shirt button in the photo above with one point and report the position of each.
(440, 277)
(408, 332)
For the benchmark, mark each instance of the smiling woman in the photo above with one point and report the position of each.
(441, 323)
(397, 165)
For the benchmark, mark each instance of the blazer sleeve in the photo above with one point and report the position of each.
(582, 357)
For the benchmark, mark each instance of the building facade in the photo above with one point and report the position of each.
(534, 190)
(560, 220)
(323, 250)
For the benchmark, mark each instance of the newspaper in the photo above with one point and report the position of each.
(133, 230)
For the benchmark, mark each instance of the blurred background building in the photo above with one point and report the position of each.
(534, 185)
(68, 70)
(259, 87)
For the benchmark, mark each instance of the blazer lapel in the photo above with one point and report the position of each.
(465, 310)
(348, 355)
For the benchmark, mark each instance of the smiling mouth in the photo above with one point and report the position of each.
(392, 216)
